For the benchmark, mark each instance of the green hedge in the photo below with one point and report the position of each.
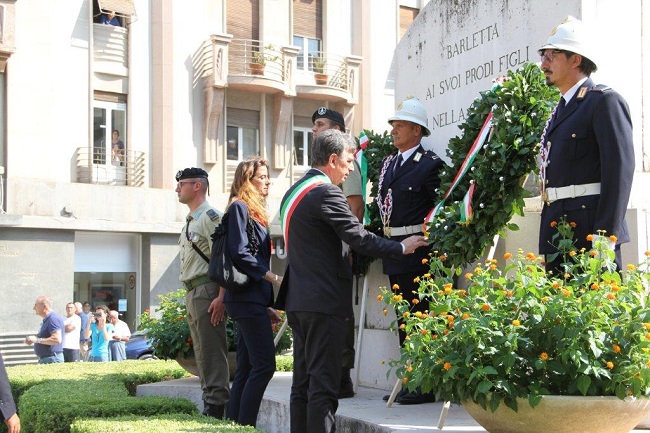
(158, 424)
(52, 397)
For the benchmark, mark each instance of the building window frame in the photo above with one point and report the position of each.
(302, 145)
(311, 46)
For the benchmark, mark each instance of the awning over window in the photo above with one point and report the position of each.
(122, 8)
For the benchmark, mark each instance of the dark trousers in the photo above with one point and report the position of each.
(255, 361)
(409, 291)
(71, 355)
(317, 352)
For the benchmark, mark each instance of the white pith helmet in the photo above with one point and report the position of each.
(571, 35)
(412, 110)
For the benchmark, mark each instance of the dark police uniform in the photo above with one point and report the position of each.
(413, 189)
(590, 144)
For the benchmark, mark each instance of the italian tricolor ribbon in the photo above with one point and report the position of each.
(363, 165)
(290, 204)
(467, 163)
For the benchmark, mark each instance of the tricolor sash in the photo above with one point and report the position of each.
(298, 193)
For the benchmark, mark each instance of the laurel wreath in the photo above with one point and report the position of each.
(520, 104)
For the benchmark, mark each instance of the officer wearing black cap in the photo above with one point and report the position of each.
(204, 299)
(587, 150)
(324, 119)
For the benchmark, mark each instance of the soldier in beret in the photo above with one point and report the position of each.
(324, 119)
(204, 299)
(587, 150)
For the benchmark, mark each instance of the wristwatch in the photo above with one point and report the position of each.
(38, 340)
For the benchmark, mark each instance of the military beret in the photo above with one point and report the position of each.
(191, 173)
(326, 113)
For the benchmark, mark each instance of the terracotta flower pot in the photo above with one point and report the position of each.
(321, 79)
(563, 414)
(256, 68)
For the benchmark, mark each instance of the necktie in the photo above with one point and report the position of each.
(398, 163)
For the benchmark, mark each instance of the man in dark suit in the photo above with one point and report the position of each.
(7, 405)
(587, 148)
(317, 288)
(408, 186)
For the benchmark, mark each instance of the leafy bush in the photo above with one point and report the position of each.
(518, 331)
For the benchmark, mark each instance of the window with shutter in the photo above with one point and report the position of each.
(406, 17)
(243, 19)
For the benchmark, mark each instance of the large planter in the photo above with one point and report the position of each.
(563, 414)
(189, 364)
(256, 68)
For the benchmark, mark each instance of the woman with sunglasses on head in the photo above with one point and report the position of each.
(249, 245)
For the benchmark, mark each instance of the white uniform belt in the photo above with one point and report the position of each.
(402, 231)
(571, 191)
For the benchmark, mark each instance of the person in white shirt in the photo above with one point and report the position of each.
(72, 328)
(121, 334)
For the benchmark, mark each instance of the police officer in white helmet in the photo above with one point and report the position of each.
(406, 194)
(587, 149)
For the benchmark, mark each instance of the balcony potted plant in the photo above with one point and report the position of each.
(259, 59)
(319, 64)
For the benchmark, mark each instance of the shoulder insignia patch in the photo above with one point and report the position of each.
(430, 154)
(582, 92)
(212, 214)
(602, 88)
(417, 157)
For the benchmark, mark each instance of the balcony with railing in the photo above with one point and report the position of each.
(94, 166)
(253, 65)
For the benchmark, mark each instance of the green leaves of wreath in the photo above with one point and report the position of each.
(521, 105)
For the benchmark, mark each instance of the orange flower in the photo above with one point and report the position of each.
(611, 296)
(613, 238)
(434, 336)
(593, 253)
(405, 380)
(384, 311)
(379, 297)
(616, 348)
(572, 253)
(447, 290)
(594, 286)
(531, 257)
(493, 267)
(443, 258)
(647, 336)
(647, 253)
(646, 325)
(425, 261)
(507, 256)
(590, 238)
(447, 366)
(462, 293)
(424, 331)
(450, 319)
(555, 285)
(415, 301)
(553, 223)
(610, 364)
(566, 292)
(395, 286)
(406, 314)
(465, 316)
(485, 307)
(573, 224)
(509, 293)
(543, 356)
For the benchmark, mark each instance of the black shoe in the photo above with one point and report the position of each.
(401, 393)
(416, 397)
(347, 389)
(213, 410)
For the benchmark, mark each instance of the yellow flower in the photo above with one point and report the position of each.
(409, 368)
(468, 276)
(543, 356)
(416, 279)
(447, 366)
(402, 326)
(418, 314)
(631, 267)
(427, 275)
(493, 267)
(545, 299)
(516, 322)
(572, 253)
(406, 314)
(610, 364)
(462, 293)
(447, 290)
(646, 325)
(647, 253)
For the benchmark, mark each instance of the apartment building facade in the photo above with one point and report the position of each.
(97, 118)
